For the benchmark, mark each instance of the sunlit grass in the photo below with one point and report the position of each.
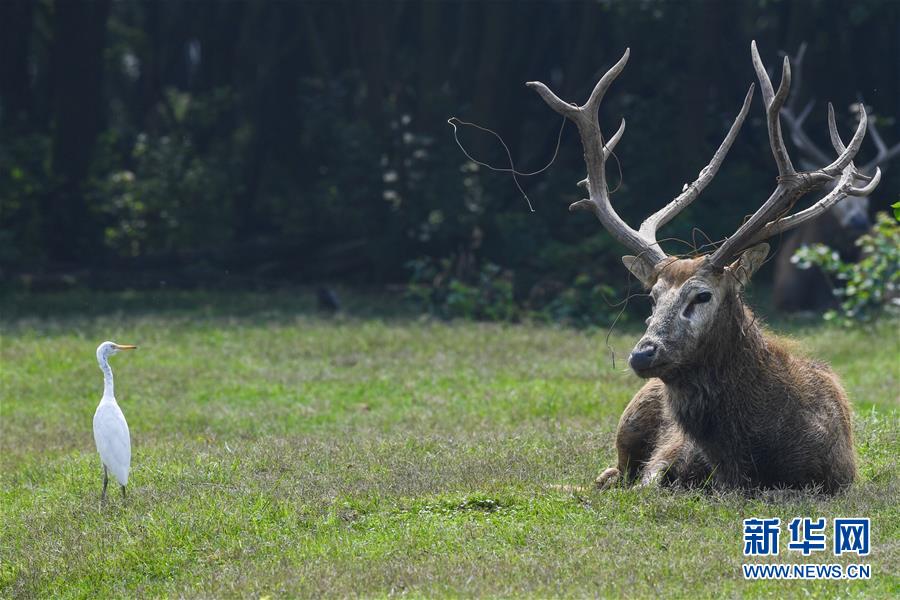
(279, 452)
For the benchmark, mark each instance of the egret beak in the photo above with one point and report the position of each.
(125, 347)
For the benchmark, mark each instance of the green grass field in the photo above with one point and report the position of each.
(279, 453)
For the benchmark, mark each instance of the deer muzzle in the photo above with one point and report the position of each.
(643, 356)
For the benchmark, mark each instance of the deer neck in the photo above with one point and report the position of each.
(705, 395)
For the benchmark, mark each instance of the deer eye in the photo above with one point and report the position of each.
(702, 297)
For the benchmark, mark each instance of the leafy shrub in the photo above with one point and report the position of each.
(25, 179)
(446, 290)
(458, 287)
(168, 196)
(583, 303)
(866, 288)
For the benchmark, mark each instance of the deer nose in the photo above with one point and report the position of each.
(859, 222)
(642, 356)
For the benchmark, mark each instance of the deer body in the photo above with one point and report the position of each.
(735, 409)
(725, 402)
(795, 289)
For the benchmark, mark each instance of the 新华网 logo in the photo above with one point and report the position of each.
(807, 536)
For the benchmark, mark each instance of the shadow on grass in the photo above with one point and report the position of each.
(19, 308)
(286, 303)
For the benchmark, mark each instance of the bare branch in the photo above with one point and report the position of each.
(880, 146)
(802, 141)
(811, 154)
(797, 67)
(805, 112)
(805, 145)
(884, 155)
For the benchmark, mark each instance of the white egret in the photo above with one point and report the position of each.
(110, 429)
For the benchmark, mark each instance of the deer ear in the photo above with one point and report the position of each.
(641, 269)
(748, 262)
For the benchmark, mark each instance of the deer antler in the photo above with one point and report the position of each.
(884, 154)
(843, 187)
(812, 153)
(643, 242)
(794, 122)
(770, 218)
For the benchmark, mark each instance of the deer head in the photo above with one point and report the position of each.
(693, 296)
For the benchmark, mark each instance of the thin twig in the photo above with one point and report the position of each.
(452, 121)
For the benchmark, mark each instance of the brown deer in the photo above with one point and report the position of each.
(726, 403)
(798, 289)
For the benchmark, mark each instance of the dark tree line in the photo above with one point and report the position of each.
(307, 141)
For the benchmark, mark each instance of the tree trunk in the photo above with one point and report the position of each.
(79, 36)
(15, 35)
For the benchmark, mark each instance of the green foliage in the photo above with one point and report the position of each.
(459, 287)
(866, 288)
(286, 137)
(585, 302)
(174, 199)
(25, 179)
(167, 195)
(443, 290)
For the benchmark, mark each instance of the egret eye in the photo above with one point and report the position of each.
(703, 297)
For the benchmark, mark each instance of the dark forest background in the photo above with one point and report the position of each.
(244, 143)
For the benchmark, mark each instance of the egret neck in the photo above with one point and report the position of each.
(108, 394)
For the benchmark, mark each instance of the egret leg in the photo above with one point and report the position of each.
(123, 492)
(105, 482)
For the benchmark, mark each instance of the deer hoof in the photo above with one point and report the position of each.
(607, 478)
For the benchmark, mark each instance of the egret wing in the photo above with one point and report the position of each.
(113, 440)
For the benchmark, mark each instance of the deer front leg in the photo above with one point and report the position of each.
(636, 437)
(666, 455)
(676, 460)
